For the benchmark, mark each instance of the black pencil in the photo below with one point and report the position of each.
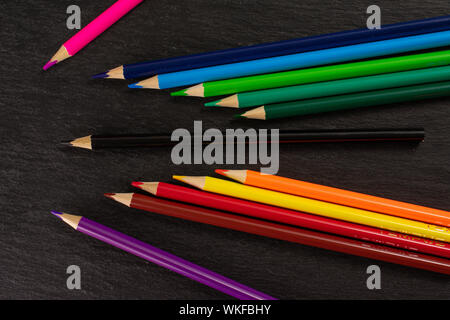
(285, 136)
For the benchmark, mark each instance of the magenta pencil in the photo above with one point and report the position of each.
(92, 30)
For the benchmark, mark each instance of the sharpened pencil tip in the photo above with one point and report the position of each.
(211, 104)
(56, 213)
(181, 93)
(49, 64)
(180, 178)
(102, 75)
(135, 86)
(221, 172)
(109, 195)
(137, 184)
(239, 116)
(66, 143)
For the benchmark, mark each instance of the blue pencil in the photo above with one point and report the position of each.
(266, 50)
(296, 61)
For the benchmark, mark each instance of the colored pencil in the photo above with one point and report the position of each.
(92, 31)
(266, 50)
(317, 207)
(286, 233)
(339, 196)
(332, 88)
(95, 142)
(318, 74)
(296, 61)
(349, 101)
(161, 258)
(295, 218)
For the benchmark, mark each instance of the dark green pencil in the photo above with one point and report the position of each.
(349, 101)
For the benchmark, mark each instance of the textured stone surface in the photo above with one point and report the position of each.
(37, 109)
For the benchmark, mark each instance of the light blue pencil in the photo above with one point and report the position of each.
(296, 61)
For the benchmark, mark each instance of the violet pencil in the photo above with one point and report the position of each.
(162, 258)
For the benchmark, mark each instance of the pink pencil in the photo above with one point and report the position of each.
(92, 30)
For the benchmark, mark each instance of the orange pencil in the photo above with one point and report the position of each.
(339, 196)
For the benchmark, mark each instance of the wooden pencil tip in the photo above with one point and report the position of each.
(124, 198)
(150, 83)
(198, 182)
(238, 175)
(257, 113)
(151, 187)
(196, 91)
(116, 73)
(59, 56)
(70, 219)
(229, 102)
(84, 142)
(137, 184)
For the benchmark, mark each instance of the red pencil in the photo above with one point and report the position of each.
(253, 209)
(283, 232)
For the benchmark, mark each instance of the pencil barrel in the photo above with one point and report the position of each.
(296, 235)
(267, 50)
(169, 261)
(339, 87)
(352, 101)
(295, 218)
(326, 209)
(99, 25)
(357, 135)
(130, 141)
(348, 198)
(134, 141)
(284, 136)
(305, 59)
(328, 73)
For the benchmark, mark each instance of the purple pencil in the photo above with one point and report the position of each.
(162, 258)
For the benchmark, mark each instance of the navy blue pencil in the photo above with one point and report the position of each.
(267, 50)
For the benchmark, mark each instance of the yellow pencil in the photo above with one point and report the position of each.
(317, 207)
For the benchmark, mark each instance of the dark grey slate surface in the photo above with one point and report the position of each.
(40, 108)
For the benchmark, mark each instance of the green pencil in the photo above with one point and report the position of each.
(349, 101)
(303, 76)
(332, 88)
